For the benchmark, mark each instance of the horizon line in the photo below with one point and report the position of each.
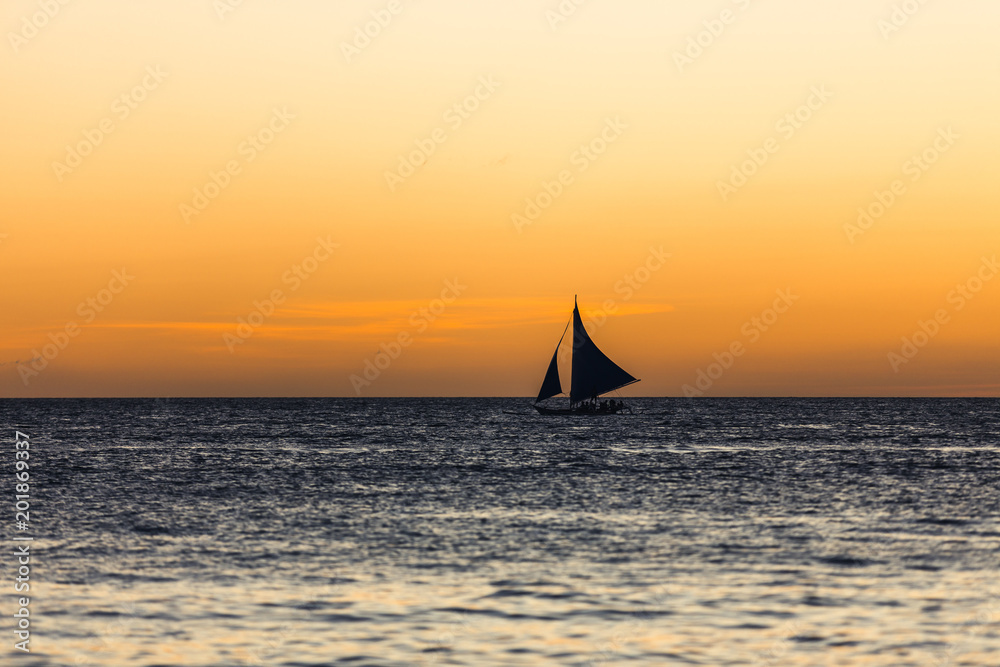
(527, 398)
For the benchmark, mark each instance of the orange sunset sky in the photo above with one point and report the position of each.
(168, 168)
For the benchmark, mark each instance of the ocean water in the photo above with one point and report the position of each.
(475, 532)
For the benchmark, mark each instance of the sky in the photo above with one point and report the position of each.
(402, 198)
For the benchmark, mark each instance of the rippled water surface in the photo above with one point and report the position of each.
(474, 532)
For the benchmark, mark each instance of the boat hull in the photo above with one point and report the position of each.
(583, 410)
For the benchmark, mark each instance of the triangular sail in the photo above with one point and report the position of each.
(593, 372)
(551, 385)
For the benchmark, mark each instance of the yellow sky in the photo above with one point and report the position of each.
(254, 198)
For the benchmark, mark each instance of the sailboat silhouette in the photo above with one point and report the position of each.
(593, 374)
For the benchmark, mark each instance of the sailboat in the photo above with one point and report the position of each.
(593, 374)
